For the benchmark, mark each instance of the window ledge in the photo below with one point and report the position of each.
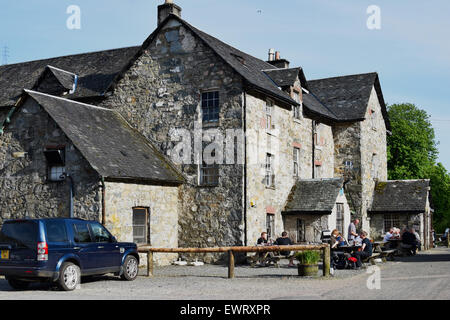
(271, 188)
(210, 124)
(299, 121)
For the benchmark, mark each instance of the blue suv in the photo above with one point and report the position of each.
(62, 250)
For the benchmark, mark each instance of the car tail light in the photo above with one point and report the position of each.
(42, 250)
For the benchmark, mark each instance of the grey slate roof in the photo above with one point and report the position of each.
(283, 77)
(249, 67)
(107, 141)
(95, 70)
(65, 78)
(408, 196)
(313, 196)
(348, 96)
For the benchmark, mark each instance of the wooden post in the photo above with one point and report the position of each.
(326, 261)
(230, 264)
(149, 264)
(448, 239)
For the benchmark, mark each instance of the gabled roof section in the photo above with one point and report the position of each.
(348, 96)
(284, 77)
(66, 79)
(316, 196)
(95, 70)
(400, 196)
(112, 147)
(249, 67)
(56, 81)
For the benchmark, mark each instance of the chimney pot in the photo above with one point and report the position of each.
(277, 55)
(271, 54)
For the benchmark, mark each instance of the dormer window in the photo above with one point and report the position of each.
(55, 163)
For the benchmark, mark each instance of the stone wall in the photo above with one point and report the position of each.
(280, 142)
(162, 91)
(373, 153)
(364, 144)
(24, 186)
(313, 227)
(163, 206)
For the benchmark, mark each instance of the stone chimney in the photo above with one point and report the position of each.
(166, 9)
(276, 61)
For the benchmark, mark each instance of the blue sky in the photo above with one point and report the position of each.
(411, 51)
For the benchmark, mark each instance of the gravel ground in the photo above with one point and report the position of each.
(425, 276)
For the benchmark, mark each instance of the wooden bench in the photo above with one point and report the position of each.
(372, 258)
(388, 255)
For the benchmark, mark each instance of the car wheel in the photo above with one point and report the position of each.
(18, 284)
(130, 268)
(69, 276)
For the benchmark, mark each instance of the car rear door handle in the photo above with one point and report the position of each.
(101, 247)
(76, 248)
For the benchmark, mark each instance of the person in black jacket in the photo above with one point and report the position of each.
(284, 240)
(409, 239)
(366, 249)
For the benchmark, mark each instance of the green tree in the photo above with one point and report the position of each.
(412, 149)
(412, 153)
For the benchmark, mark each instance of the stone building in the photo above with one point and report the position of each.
(239, 145)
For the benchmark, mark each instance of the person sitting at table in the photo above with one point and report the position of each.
(396, 233)
(366, 249)
(337, 240)
(263, 239)
(284, 240)
(388, 235)
(409, 241)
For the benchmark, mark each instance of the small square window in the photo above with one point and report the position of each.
(57, 173)
(209, 174)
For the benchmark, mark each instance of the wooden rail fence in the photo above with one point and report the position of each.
(150, 251)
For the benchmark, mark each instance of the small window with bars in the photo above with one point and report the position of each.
(210, 107)
(390, 221)
(209, 174)
(141, 226)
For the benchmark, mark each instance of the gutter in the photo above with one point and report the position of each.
(102, 180)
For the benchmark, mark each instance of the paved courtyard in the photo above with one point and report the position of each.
(425, 276)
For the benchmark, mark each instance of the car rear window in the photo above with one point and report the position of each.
(21, 234)
(56, 231)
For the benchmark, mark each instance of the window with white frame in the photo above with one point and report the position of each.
(141, 225)
(297, 112)
(269, 177)
(296, 162)
(269, 115)
(390, 221)
(55, 163)
(300, 231)
(210, 106)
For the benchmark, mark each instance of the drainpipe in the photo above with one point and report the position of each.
(313, 147)
(102, 179)
(65, 176)
(244, 124)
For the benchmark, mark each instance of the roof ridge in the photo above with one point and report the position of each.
(68, 55)
(30, 92)
(344, 76)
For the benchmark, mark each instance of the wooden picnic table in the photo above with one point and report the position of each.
(348, 249)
